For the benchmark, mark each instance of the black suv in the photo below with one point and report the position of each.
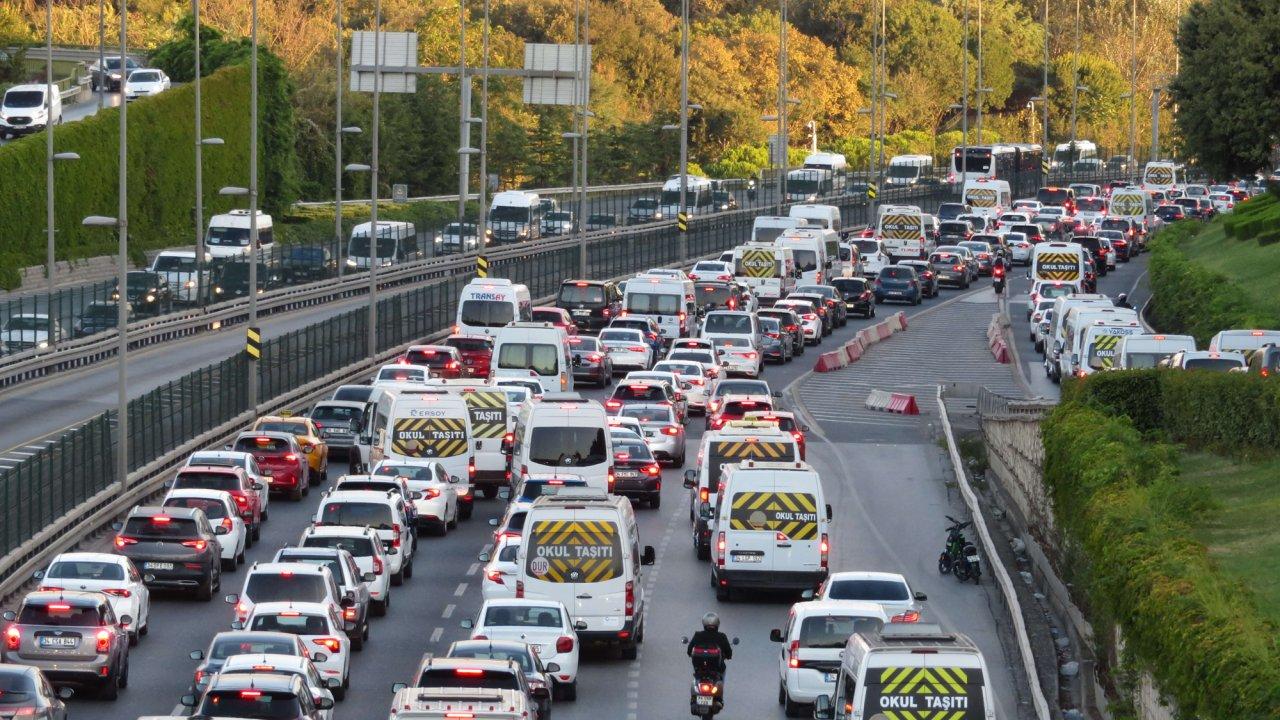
(857, 295)
(173, 547)
(303, 264)
(1094, 245)
(233, 280)
(148, 293)
(591, 303)
(717, 296)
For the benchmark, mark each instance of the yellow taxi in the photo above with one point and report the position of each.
(308, 436)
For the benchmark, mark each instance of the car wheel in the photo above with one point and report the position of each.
(490, 492)
(357, 642)
(464, 512)
(262, 518)
(570, 692)
(257, 528)
(340, 692)
(630, 651)
(133, 639)
(702, 551)
(296, 493)
(110, 689)
(397, 579)
(871, 311)
(790, 708)
(407, 569)
(655, 500)
(378, 607)
(229, 564)
(723, 592)
(205, 591)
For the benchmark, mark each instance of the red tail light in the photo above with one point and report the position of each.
(519, 588)
(792, 328)
(291, 457)
(197, 544)
(670, 430)
(706, 688)
(635, 348)
(652, 470)
(199, 676)
(122, 541)
(793, 651)
(799, 436)
(595, 357)
(611, 478)
(12, 638)
(432, 493)
(698, 381)
(613, 404)
(226, 523)
(564, 644)
(494, 575)
(349, 613)
(959, 267)
(333, 645)
(824, 549)
(240, 499)
(630, 600)
(104, 641)
(704, 495)
(377, 566)
(749, 355)
(720, 553)
(395, 541)
(909, 616)
(809, 316)
(471, 468)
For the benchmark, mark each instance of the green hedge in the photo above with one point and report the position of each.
(161, 173)
(1118, 496)
(1191, 300)
(314, 225)
(1257, 216)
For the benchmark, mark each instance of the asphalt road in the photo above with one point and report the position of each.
(875, 484)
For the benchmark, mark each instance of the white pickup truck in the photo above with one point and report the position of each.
(179, 268)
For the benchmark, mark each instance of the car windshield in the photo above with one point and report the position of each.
(1052, 196)
(487, 313)
(647, 414)
(540, 358)
(262, 444)
(101, 311)
(621, 336)
(59, 614)
(509, 214)
(645, 204)
(357, 546)
(868, 589)
(294, 624)
(1092, 204)
(831, 632)
(717, 295)
(640, 392)
(898, 273)
(170, 263)
(693, 355)
(654, 303)
(359, 514)
(1213, 364)
(227, 236)
(359, 246)
(850, 285)
(224, 648)
(27, 322)
(544, 616)
(283, 426)
(23, 99)
(581, 293)
(160, 527)
(257, 704)
(85, 570)
(141, 76)
(806, 259)
(867, 247)
(721, 324)
(17, 688)
(559, 217)
(567, 446)
(429, 357)
(460, 229)
(335, 567)
(583, 343)
(954, 228)
(335, 414)
(284, 586)
(469, 344)
(213, 509)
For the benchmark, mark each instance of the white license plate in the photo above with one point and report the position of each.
(705, 699)
(748, 558)
(157, 566)
(829, 677)
(59, 642)
(628, 473)
(582, 311)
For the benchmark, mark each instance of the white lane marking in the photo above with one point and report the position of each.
(461, 590)
(475, 568)
(39, 447)
(437, 634)
(448, 611)
(22, 453)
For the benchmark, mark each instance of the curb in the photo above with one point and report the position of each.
(852, 351)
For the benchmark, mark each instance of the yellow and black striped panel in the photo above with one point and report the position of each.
(758, 264)
(429, 437)
(1127, 205)
(574, 551)
(1159, 176)
(924, 693)
(981, 197)
(734, 451)
(900, 227)
(1058, 266)
(792, 514)
(1104, 351)
(488, 410)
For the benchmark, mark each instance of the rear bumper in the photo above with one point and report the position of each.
(769, 579)
(635, 487)
(625, 636)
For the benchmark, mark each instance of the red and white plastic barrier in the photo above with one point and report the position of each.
(900, 403)
(852, 351)
(996, 342)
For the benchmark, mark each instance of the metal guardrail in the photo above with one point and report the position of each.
(543, 192)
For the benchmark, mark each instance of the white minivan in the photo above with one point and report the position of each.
(668, 301)
(416, 422)
(487, 304)
(582, 548)
(814, 249)
(228, 234)
(25, 109)
(536, 351)
(563, 432)
(823, 216)
(771, 529)
(1146, 351)
(767, 228)
(397, 243)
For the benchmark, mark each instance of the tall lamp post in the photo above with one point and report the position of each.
(198, 212)
(337, 180)
(980, 92)
(52, 158)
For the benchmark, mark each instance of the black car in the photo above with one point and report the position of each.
(233, 280)
(951, 211)
(98, 316)
(710, 296)
(592, 304)
(927, 273)
(954, 232)
(776, 343)
(832, 299)
(1171, 213)
(148, 293)
(24, 689)
(637, 473)
(601, 221)
(303, 264)
(857, 295)
(175, 548)
(1095, 246)
(790, 322)
(723, 200)
(590, 361)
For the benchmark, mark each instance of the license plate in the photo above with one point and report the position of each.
(705, 699)
(157, 566)
(744, 558)
(54, 641)
(628, 473)
(829, 677)
(580, 312)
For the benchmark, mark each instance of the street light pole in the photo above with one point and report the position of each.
(373, 173)
(199, 124)
(48, 175)
(482, 220)
(102, 53)
(1155, 123)
(1075, 89)
(1133, 87)
(464, 115)
(337, 139)
(980, 99)
(684, 124)
(122, 305)
(1044, 89)
(584, 70)
(784, 142)
(964, 99)
(253, 203)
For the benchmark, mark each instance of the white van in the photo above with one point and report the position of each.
(228, 234)
(1065, 160)
(823, 216)
(767, 270)
(582, 547)
(533, 351)
(911, 670)
(491, 421)
(806, 185)
(1146, 351)
(1074, 326)
(767, 228)
(813, 641)
(771, 528)
(26, 109)
(403, 421)
(487, 304)
(987, 197)
(515, 216)
(902, 233)
(834, 163)
(908, 169)
(1058, 261)
(1161, 176)
(697, 197)
(1100, 346)
(1243, 341)
(397, 243)
(1056, 338)
(668, 301)
(737, 441)
(1130, 203)
(563, 432)
(813, 249)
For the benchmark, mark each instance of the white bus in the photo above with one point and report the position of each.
(835, 163)
(697, 196)
(908, 169)
(515, 216)
(1065, 159)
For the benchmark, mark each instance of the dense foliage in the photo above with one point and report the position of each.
(1118, 496)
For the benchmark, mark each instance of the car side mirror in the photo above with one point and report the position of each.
(196, 654)
(577, 361)
(65, 693)
(231, 599)
(504, 493)
(804, 428)
(117, 526)
(259, 486)
(468, 624)
(484, 557)
(507, 445)
(237, 625)
(808, 595)
(126, 620)
(822, 708)
(493, 522)
(704, 511)
(776, 394)
(649, 556)
(9, 615)
(319, 657)
(920, 596)
(775, 635)
(454, 479)
(326, 703)
(690, 479)
(226, 447)
(541, 693)
(188, 700)
(580, 625)
(552, 667)
(221, 530)
(38, 575)
(415, 495)
(395, 687)
(733, 641)
(828, 512)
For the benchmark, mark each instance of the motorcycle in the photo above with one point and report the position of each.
(706, 696)
(959, 557)
(997, 279)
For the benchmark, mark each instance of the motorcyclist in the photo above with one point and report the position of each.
(1122, 301)
(711, 637)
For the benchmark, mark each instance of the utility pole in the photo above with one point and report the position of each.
(584, 79)
(102, 53)
(464, 113)
(253, 205)
(784, 142)
(576, 130)
(1044, 89)
(1075, 90)
(48, 165)
(884, 90)
(482, 220)
(964, 100)
(373, 175)
(1155, 123)
(337, 138)
(980, 87)
(122, 305)
(199, 124)
(684, 127)
(1133, 88)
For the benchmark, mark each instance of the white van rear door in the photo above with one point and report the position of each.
(580, 561)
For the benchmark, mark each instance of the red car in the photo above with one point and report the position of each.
(280, 459)
(556, 316)
(476, 351)
(444, 361)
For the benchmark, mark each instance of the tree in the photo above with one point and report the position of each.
(1226, 92)
(1099, 103)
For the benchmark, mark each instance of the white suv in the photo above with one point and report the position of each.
(384, 513)
(280, 582)
(319, 625)
(366, 547)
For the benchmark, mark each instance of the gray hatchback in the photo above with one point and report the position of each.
(73, 637)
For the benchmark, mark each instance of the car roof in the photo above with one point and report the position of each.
(824, 607)
(275, 434)
(264, 568)
(291, 662)
(510, 646)
(91, 557)
(257, 681)
(378, 496)
(223, 469)
(155, 510)
(340, 531)
(200, 493)
(79, 598)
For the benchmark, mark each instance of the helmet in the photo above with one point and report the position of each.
(711, 621)
(1122, 297)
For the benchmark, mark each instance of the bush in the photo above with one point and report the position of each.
(1120, 498)
(1252, 217)
(161, 173)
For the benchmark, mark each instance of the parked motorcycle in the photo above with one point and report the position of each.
(706, 696)
(959, 557)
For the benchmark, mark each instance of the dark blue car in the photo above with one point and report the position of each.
(898, 282)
